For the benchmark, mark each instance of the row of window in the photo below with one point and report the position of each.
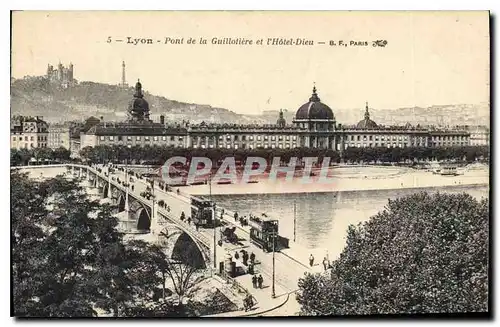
(139, 138)
(250, 146)
(31, 138)
(32, 145)
(250, 137)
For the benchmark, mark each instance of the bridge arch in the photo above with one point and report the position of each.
(187, 251)
(143, 220)
(105, 190)
(121, 203)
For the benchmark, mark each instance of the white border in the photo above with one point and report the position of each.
(180, 5)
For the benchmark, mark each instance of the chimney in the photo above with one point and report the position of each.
(162, 119)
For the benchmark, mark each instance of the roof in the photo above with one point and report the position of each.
(314, 109)
(147, 129)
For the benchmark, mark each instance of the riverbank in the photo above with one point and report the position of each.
(348, 179)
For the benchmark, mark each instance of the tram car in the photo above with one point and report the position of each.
(201, 212)
(263, 232)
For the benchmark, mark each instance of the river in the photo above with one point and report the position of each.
(322, 218)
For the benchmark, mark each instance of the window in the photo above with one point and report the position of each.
(163, 138)
(228, 146)
(265, 137)
(250, 137)
(288, 137)
(294, 138)
(13, 138)
(111, 138)
(259, 145)
(280, 138)
(220, 137)
(172, 138)
(258, 137)
(32, 138)
(287, 145)
(228, 137)
(146, 138)
(101, 138)
(180, 138)
(359, 137)
(371, 138)
(294, 145)
(273, 146)
(273, 138)
(32, 145)
(138, 138)
(243, 137)
(155, 138)
(236, 146)
(129, 138)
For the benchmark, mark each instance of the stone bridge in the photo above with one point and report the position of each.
(138, 215)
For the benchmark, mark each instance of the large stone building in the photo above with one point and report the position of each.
(314, 126)
(59, 136)
(479, 135)
(28, 132)
(62, 76)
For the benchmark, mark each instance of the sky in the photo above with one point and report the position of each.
(431, 58)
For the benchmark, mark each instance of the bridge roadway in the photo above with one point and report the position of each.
(289, 267)
(287, 270)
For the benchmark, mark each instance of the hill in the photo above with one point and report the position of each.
(461, 114)
(36, 96)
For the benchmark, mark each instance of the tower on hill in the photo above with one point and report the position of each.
(124, 80)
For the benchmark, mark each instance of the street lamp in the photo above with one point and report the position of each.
(273, 292)
(214, 217)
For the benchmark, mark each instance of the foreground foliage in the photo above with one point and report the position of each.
(68, 260)
(422, 254)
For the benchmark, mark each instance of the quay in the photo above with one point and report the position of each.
(137, 213)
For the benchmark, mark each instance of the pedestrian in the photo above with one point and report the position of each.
(197, 227)
(311, 260)
(325, 263)
(252, 258)
(132, 188)
(235, 216)
(236, 255)
(254, 281)
(251, 269)
(189, 220)
(245, 259)
(260, 280)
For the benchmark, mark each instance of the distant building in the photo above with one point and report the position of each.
(28, 132)
(62, 76)
(314, 126)
(479, 135)
(59, 136)
(137, 130)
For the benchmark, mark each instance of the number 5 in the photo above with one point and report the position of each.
(109, 39)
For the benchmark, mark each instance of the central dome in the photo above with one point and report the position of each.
(314, 109)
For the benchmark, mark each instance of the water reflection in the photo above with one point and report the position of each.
(322, 218)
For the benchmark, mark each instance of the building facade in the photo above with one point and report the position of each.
(479, 135)
(28, 132)
(59, 136)
(314, 126)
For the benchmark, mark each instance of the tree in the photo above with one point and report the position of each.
(422, 254)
